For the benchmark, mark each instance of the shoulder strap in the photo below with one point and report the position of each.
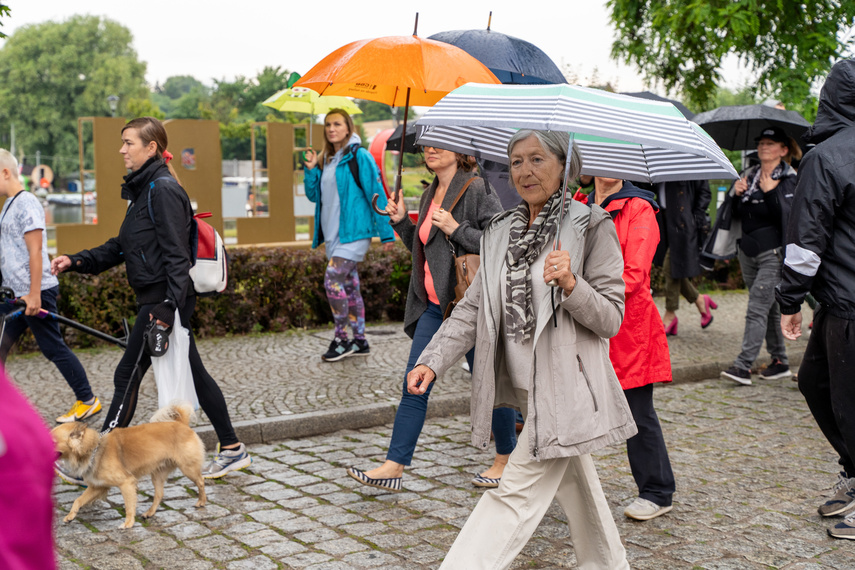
(462, 191)
(148, 196)
(10, 205)
(354, 165)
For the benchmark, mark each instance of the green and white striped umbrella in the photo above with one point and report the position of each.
(600, 156)
(625, 137)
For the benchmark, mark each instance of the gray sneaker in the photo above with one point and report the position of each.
(843, 499)
(844, 529)
(644, 510)
(227, 460)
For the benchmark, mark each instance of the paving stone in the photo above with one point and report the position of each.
(254, 563)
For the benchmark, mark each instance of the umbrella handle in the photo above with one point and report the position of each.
(374, 205)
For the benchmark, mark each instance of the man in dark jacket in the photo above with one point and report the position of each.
(820, 259)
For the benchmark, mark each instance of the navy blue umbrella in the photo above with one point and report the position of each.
(512, 60)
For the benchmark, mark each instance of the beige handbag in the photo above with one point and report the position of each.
(465, 266)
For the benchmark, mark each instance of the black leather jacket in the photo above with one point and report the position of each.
(154, 245)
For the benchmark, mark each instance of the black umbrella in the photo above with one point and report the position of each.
(394, 140)
(654, 97)
(736, 127)
(512, 60)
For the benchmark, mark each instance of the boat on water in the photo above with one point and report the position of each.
(72, 198)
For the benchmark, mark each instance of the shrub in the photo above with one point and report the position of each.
(270, 289)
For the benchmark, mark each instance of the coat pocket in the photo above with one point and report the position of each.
(579, 392)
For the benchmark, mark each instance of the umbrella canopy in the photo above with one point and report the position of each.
(303, 100)
(398, 71)
(654, 97)
(571, 109)
(391, 69)
(512, 60)
(736, 127)
(394, 141)
(600, 156)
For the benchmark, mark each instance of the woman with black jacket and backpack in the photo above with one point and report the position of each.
(155, 247)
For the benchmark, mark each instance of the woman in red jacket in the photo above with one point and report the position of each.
(639, 351)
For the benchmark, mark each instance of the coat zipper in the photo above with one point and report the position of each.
(588, 382)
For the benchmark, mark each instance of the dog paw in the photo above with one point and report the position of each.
(126, 525)
(68, 518)
(200, 503)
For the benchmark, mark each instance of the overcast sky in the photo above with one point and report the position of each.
(222, 39)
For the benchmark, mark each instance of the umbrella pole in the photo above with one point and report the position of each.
(556, 244)
(397, 189)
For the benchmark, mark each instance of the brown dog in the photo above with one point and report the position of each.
(123, 456)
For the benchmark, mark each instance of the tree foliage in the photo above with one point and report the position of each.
(788, 44)
(55, 72)
(4, 11)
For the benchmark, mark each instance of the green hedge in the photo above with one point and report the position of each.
(270, 289)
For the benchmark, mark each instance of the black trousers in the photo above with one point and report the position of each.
(648, 456)
(827, 383)
(127, 384)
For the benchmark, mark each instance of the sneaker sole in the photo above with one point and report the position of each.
(65, 419)
(660, 512)
(245, 462)
(737, 379)
(337, 358)
(778, 376)
(841, 511)
(367, 353)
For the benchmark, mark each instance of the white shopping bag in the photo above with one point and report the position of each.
(172, 370)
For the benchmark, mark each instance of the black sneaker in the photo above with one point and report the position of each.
(738, 375)
(360, 347)
(776, 370)
(339, 348)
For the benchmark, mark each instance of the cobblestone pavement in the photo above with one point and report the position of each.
(751, 468)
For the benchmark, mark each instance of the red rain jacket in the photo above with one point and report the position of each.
(639, 351)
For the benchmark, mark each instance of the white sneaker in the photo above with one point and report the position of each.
(643, 510)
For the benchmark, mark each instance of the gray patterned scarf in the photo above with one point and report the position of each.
(525, 245)
(754, 183)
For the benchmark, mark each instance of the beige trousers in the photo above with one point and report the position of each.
(505, 518)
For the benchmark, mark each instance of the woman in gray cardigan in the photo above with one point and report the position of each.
(446, 227)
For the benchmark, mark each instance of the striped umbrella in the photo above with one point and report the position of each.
(604, 121)
(600, 156)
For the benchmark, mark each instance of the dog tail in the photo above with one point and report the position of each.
(177, 411)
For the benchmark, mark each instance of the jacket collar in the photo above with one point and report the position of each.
(615, 202)
(138, 179)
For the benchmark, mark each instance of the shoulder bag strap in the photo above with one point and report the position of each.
(453, 204)
(12, 199)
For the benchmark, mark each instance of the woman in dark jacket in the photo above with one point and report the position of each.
(452, 215)
(761, 203)
(154, 245)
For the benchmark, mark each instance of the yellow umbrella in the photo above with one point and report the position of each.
(304, 100)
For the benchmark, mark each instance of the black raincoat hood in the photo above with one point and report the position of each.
(836, 109)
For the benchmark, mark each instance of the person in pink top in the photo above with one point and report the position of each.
(453, 212)
(26, 479)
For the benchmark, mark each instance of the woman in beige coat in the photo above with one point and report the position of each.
(552, 364)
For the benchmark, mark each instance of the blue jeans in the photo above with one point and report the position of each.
(50, 341)
(410, 417)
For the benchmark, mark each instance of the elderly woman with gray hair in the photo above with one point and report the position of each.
(545, 351)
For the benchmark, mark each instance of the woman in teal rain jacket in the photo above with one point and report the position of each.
(345, 222)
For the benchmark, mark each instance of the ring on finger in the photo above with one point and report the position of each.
(555, 267)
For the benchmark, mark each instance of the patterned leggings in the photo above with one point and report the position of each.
(341, 282)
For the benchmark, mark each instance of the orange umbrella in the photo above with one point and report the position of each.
(398, 71)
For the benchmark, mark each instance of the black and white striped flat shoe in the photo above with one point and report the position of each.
(392, 484)
(487, 482)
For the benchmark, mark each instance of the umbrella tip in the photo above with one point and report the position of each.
(416, 28)
(489, 20)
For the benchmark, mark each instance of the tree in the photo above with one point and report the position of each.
(55, 72)
(789, 45)
(4, 11)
